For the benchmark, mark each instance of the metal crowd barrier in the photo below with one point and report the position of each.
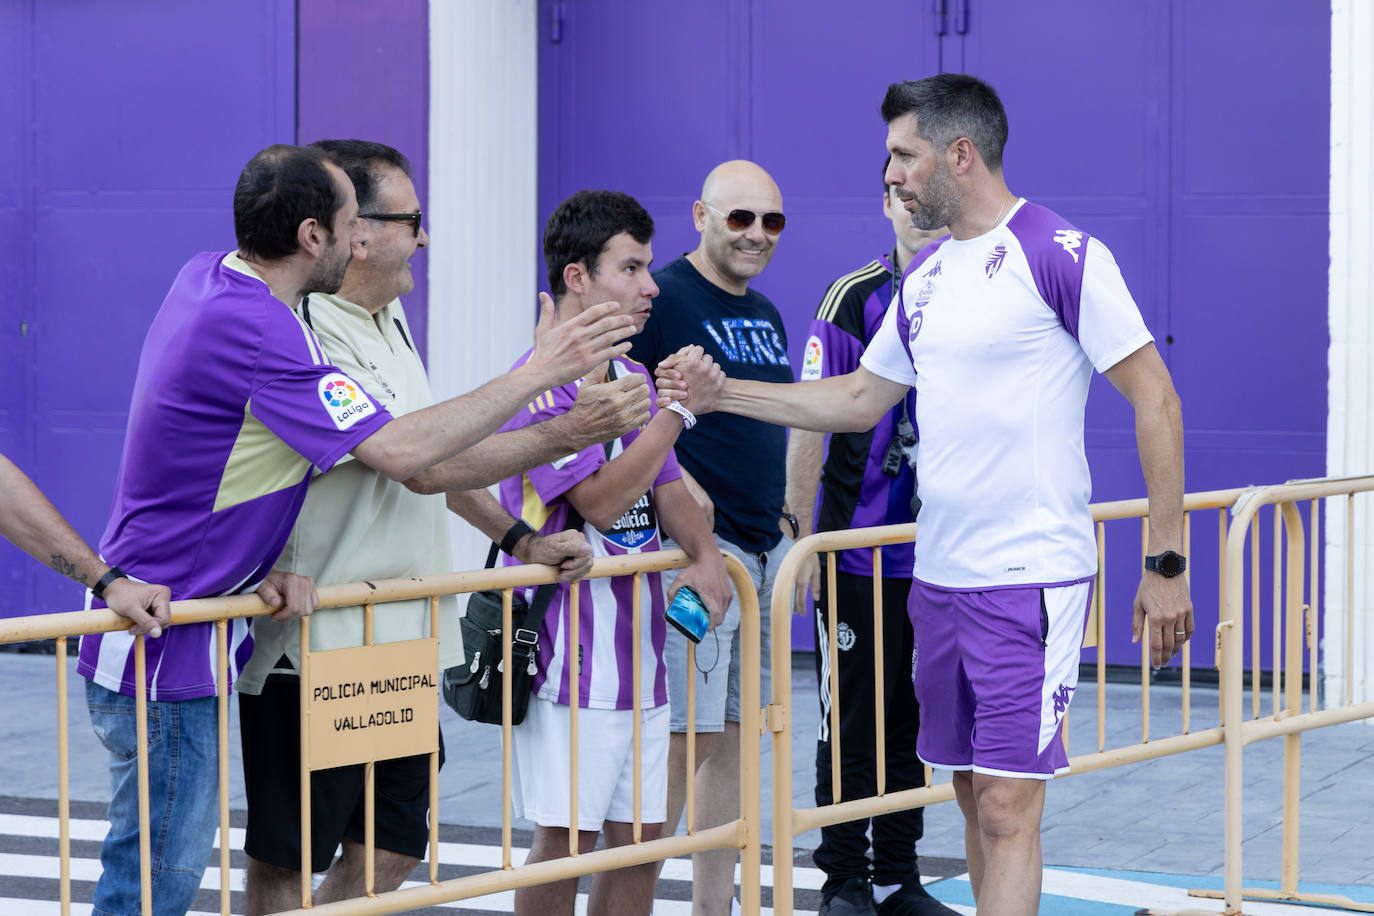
(743, 833)
(1294, 626)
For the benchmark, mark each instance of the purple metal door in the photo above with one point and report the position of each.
(128, 129)
(1153, 127)
(1163, 128)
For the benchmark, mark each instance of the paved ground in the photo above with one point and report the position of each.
(1160, 816)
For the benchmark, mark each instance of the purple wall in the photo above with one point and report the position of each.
(1164, 128)
(364, 73)
(123, 131)
(123, 136)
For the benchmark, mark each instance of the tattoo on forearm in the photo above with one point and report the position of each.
(67, 568)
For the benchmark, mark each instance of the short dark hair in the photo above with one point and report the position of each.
(362, 161)
(579, 228)
(950, 106)
(279, 188)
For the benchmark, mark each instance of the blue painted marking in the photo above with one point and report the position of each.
(1355, 892)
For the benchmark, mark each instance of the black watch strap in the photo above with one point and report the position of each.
(792, 520)
(99, 588)
(1168, 564)
(513, 536)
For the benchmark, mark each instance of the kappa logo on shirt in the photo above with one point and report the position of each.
(345, 400)
(811, 361)
(1070, 241)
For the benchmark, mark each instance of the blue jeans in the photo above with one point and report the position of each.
(183, 789)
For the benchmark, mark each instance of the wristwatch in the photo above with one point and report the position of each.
(792, 520)
(1168, 564)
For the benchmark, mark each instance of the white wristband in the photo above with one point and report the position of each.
(688, 420)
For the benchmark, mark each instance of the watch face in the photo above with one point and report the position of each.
(1170, 564)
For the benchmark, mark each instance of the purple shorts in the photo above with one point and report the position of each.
(994, 672)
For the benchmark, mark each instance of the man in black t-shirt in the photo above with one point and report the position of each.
(734, 463)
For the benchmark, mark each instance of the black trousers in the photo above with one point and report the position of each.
(843, 851)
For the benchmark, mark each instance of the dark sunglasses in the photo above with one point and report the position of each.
(739, 220)
(412, 218)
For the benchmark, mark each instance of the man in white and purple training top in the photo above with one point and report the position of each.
(597, 248)
(234, 403)
(999, 329)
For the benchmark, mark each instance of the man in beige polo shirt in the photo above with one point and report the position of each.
(357, 523)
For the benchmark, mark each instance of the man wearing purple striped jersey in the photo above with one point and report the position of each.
(869, 479)
(234, 402)
(596, 248)
(999, 329)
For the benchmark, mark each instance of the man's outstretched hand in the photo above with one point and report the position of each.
(692, 377)
(607, 410)
(568, 350)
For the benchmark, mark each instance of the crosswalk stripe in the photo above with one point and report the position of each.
(87, 868)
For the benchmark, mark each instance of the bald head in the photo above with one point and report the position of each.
(728, 257)
(740, 178)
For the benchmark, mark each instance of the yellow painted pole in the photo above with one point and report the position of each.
(1144, 644)
(1313, 612)
(690, 782)
(370, 777)
(145, 856)
(1256, 652)
(573, 663)
(507, 725)
(751, 655)
(434, 769)
(637, 729)
(305, 762)
(1349, 599)
(222, 708)
(833, 653)
(64, 813)
(1187, 654)
(1100, 600)
(1292, 744)
(879, 678)
(1276, 638)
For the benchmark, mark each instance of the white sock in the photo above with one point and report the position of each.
(882, 891)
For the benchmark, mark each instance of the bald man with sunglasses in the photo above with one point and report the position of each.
(704, 298)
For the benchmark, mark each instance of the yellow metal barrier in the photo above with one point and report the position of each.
(1293, 628)
(1293, 623)
(743, 833)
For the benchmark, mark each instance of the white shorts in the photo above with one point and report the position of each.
(541, 751)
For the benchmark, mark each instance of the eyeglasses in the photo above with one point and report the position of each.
(412, 218)
(739, 220)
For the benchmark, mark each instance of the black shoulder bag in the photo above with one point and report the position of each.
(473, 688)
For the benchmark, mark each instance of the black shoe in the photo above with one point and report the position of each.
(854, 898)
(911, 899)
